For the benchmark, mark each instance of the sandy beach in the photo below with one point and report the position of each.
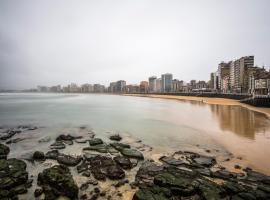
(209, 100)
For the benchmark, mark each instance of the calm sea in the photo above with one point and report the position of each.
(157, 122)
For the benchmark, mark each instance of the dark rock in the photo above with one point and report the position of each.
(4, 151)
(115, 172)
(69, 160)
(121, 183)
(171, 160)
(15, 140)
(56, 181)
(68, 142)
(94, 196)
(101, 148)
(86, 174)
(152, 193)
(96, 190)
(102, 167)
(13, 178)
(38, 155)
(224, 174)
(204, 171)
(58, 145)
(247, 169)
(254, 176)
(237, 166)
(179, 184)
(132, 153)
(32, 128)
(116, 137)
(84, 166)
(84, 186)
(204, 160)
(38, 192)
(118, 146)
(53, 154)
(65, 138)
(147, 171)
(123, 162)
(95, 141)
(8, 134)
(102, 194)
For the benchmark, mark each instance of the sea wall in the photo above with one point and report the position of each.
(257, 101)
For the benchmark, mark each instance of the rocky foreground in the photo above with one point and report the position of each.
(183, 175)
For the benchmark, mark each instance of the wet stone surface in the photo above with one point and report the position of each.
(181, 176)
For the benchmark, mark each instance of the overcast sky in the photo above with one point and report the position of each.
(57, 42)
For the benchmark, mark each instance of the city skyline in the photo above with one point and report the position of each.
(43, 44)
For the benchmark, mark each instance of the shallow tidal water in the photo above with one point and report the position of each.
(165, 125)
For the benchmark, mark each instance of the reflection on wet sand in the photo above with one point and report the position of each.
(240, 120)
(237, 119)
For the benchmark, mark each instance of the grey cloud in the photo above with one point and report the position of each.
(57, 42)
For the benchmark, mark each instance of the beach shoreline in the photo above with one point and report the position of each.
(207, 100)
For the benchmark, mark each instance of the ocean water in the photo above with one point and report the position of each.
(160, 123)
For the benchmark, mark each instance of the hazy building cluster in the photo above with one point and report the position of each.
(240, 76)
(73, 88)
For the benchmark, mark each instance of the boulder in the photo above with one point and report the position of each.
(53, 154)
(4, 151)
(147, 171)
(118, 146)
(116, 137)
(8, 134)
(171, 160)
(68, 159)
(132, 153)
(95, 141)
(58, 145)
(103, 166)
(57, 181)
(13, 178)
(101, 148)
(38, 155)
(204, 161)
(65, 138)
(123, 162)
(254, 176)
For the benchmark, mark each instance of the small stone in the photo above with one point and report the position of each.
(4, 151)
(237, 166)
(96, 190)
(38, 192)
(38, 155)
(116, 137)
(95, 141)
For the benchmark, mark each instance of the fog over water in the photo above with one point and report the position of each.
(58, 42)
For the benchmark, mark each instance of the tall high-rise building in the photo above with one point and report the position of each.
(166, 84)
(212, 80)
(152, 83)
(158, 85)
(239, 74)
(144, 86)
(223, 71)
(112, 87)
(120, 86)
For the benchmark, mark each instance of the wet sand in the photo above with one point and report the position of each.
(208, 100)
